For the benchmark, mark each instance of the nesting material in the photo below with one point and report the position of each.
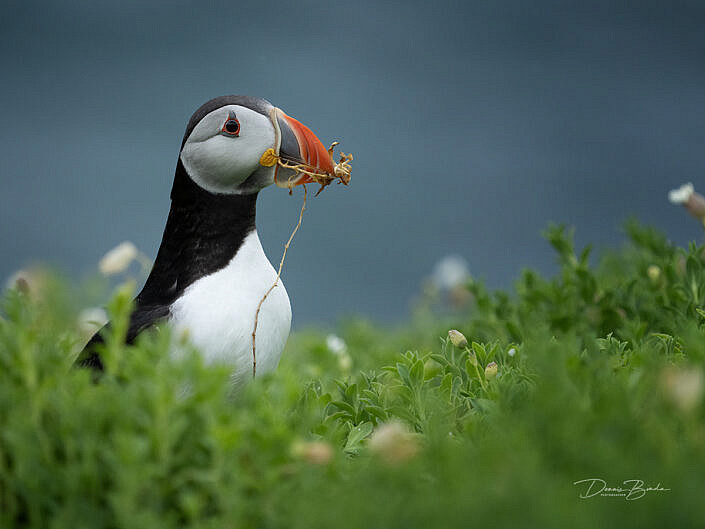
(341, 172)
(276, 282)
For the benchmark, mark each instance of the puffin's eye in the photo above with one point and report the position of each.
(231, 127)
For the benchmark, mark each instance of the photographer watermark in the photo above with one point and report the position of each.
(630, 489)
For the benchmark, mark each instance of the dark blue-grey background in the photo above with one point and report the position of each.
(473, 125)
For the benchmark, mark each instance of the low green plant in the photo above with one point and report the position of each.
(599, 376)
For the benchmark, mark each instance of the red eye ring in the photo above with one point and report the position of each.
(231, 127)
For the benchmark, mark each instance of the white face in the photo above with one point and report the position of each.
(223, 151)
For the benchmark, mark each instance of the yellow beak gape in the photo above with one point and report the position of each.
(269, 158)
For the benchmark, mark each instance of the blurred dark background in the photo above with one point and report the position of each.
(473, 124)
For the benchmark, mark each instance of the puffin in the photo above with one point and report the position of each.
(211, 273)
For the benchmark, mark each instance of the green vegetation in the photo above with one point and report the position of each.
(599, 375)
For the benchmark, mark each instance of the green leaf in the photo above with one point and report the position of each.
(404, 373)
(356, 435)
(416, 374)
(479, 351)
(351, 393)
(484, 405)
(377, 411)
(442, 360)
(446, 386)
(402, 413)
(342, 405)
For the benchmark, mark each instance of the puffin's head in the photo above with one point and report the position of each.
(229, 140)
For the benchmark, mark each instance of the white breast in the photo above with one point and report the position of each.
(218, 312)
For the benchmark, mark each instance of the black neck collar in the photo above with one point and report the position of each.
(203, 233)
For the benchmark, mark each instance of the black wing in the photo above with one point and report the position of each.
(142, 318)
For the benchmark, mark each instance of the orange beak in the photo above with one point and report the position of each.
(298, 145)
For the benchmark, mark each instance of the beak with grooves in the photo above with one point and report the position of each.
(298, 145)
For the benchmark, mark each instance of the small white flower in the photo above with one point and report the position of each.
(336, 344)
(457, 338)
(91, 320)
(30, 281)
(491, 370)
(682, 194)
(654, 273)
(21, 279)
(345, 363)
(118, 259)
(684, 387)
(512, 352)
(393, 443)
(314, 452)
(693, 202)
(450, 272)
